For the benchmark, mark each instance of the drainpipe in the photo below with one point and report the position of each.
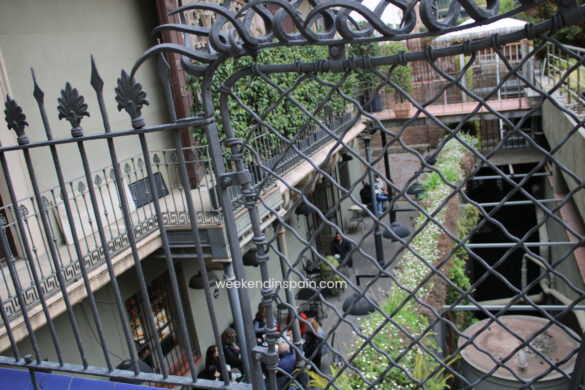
(536, 298)
(290, 297)
(228, 274)
(545, 286)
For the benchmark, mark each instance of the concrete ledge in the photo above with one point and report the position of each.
(76, 291)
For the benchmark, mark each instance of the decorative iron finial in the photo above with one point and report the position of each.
(23, 210)
(72, 107)
(131, 97)
(16, 120)
(97, 181)
(96, 81)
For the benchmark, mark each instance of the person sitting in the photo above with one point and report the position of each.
(211, 370)
(312, 345)
(302, 324)
(366, 198)
(286, 363)
(341, 247)
(260, 321)
(231, 351)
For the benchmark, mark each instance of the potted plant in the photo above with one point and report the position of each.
(401, 76)
(367, 80)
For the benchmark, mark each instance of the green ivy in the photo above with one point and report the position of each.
(259, 96)
(367, 79)
(467, 221)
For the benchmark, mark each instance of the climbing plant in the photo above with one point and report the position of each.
(259, 96)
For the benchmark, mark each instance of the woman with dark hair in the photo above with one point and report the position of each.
(211, 370)
(230, 349)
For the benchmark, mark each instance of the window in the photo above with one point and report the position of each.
(167, 328)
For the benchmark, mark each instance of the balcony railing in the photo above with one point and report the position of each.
(563, 70)
(165, 165)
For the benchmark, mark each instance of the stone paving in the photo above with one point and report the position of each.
(403, 166)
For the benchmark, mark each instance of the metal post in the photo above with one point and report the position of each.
(290, 297)
(377, 232)
(233, 297)
(388, 176)
(164, 74)
(249, 337)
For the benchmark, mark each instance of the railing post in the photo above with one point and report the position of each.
(164, 73)
(249, 337)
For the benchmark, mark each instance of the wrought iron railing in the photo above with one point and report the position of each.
(563, 66)
(415, 332)
(165, 166)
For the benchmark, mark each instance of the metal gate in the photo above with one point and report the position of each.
(461, 263)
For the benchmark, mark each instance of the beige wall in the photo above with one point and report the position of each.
(56, 38)
(15, 161)
(556, 125)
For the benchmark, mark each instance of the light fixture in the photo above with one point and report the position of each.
(196, 282)
(250, 258)
(142, 366)
(396, 231)
(361, 307)
(346, 157)
(127, 365)
(304, 209)
(415, 189)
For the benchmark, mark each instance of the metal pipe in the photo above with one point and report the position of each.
(545, 286)
(358, 277)
(512, 244)
(377, 232)
(392, 214)
(523, 274)
(516, 176)
(512, 307)
(536, 298)
(517, 202)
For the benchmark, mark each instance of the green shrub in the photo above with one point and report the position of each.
(394, 337)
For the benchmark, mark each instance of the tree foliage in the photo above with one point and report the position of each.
(367, 79)
(571, 35)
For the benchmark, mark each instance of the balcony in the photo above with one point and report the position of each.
(278, 160)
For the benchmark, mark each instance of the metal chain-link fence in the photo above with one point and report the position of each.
(416, 217)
